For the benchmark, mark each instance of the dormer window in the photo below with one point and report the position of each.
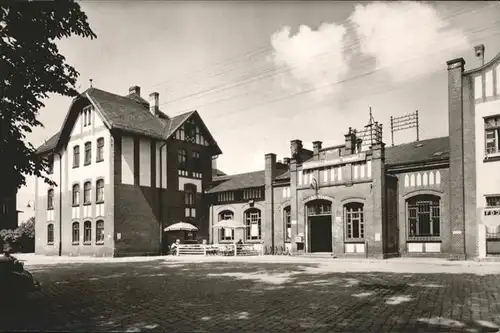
(492, 135)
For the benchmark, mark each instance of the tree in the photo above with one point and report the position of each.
(31, 67)
(21, 239)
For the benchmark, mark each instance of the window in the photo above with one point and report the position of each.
(190, 130)
(100, 150)
(492, 201)
(76, 195)
(87, 232)
(99, 192)
(287, 218)
(253, 224)
(226, 234)
(75, 238)
(50, 234)
(76, 156)
(50, 160)
(225, 196)
(354, 219)
(492, 135)
(50, 199)
(87, 113)
(423, 217)
(252, 193)
(99, 232)
(182, 159)
(86, 193)
(319, 208)
(190, 200)
(196, 162)
(88, 153)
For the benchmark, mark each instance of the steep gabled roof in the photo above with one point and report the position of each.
(126, 113)
(430, 150)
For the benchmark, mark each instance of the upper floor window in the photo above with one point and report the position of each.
(182, 158)
(253, 224)
(88, 153)
(50, 199)
(76, 195)
(76, 156)
(423, 216)
(492, 135)
(190, 200)
(87, 187)
(100, 150)
(493, 201)
(287, 219)
(225, 196)
(99, 190)
(354, 220)
(196, 161)
(190, 130)
(50, 160)
(252, 193)
(87, 115)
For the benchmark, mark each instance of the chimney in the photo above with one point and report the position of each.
(134, 90)
(350, 142)
(316, 147)
(154, 101)
(479, 52)
(295, 148)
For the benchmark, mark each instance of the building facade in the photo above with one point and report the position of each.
(438, 197)
(124, 171)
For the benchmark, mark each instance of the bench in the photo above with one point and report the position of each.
(191, 249)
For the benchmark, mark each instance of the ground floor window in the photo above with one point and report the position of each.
(423, 213)
(87, 232)
(253, 224)
(354, 221)
(75, 238)
(287, 218)
(226, 234)
(50, 234)
(99, 232)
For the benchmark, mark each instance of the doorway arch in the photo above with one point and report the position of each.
(319, 225)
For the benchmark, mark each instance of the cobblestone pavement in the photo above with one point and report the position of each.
(252, 297)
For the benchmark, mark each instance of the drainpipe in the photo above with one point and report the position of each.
(160, 196)
(60, 203)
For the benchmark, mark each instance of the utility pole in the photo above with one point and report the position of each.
(405, 122)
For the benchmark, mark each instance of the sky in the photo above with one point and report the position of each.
(263, 73)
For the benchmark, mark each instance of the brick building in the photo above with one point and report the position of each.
(125, 171)
(435, 197)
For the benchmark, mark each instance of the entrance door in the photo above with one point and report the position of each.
(321, 233)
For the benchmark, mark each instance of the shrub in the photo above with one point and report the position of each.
(21, 239)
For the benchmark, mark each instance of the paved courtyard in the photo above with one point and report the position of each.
(209, 296)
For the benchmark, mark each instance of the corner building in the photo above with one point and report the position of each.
(124, 171)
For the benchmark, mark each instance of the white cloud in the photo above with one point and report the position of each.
(397, 33)
(311, 59)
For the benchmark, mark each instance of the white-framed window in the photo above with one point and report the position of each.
(492, 135)
(354, 221)
(87, 115)
(287, 221)
(226, 234)
(424, 217)
(253, 224)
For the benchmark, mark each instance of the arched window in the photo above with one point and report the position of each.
(226, 234)
(76, 156)
(253, 224)
(287, 222)
(88, 153)
(100, 150)
(76, 195)
(354, 221)
(190, 200)
(99, 191)
(182, 159)
(99, 232)
(50, 234)
(75, 239)
(87, 232)
(50, 199)
(87, 187)
(423, 216)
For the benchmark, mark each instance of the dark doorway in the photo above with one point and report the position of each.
(321, 233)
(319, 217)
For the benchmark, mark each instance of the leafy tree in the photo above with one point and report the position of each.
(21, 239)
(31, 67)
